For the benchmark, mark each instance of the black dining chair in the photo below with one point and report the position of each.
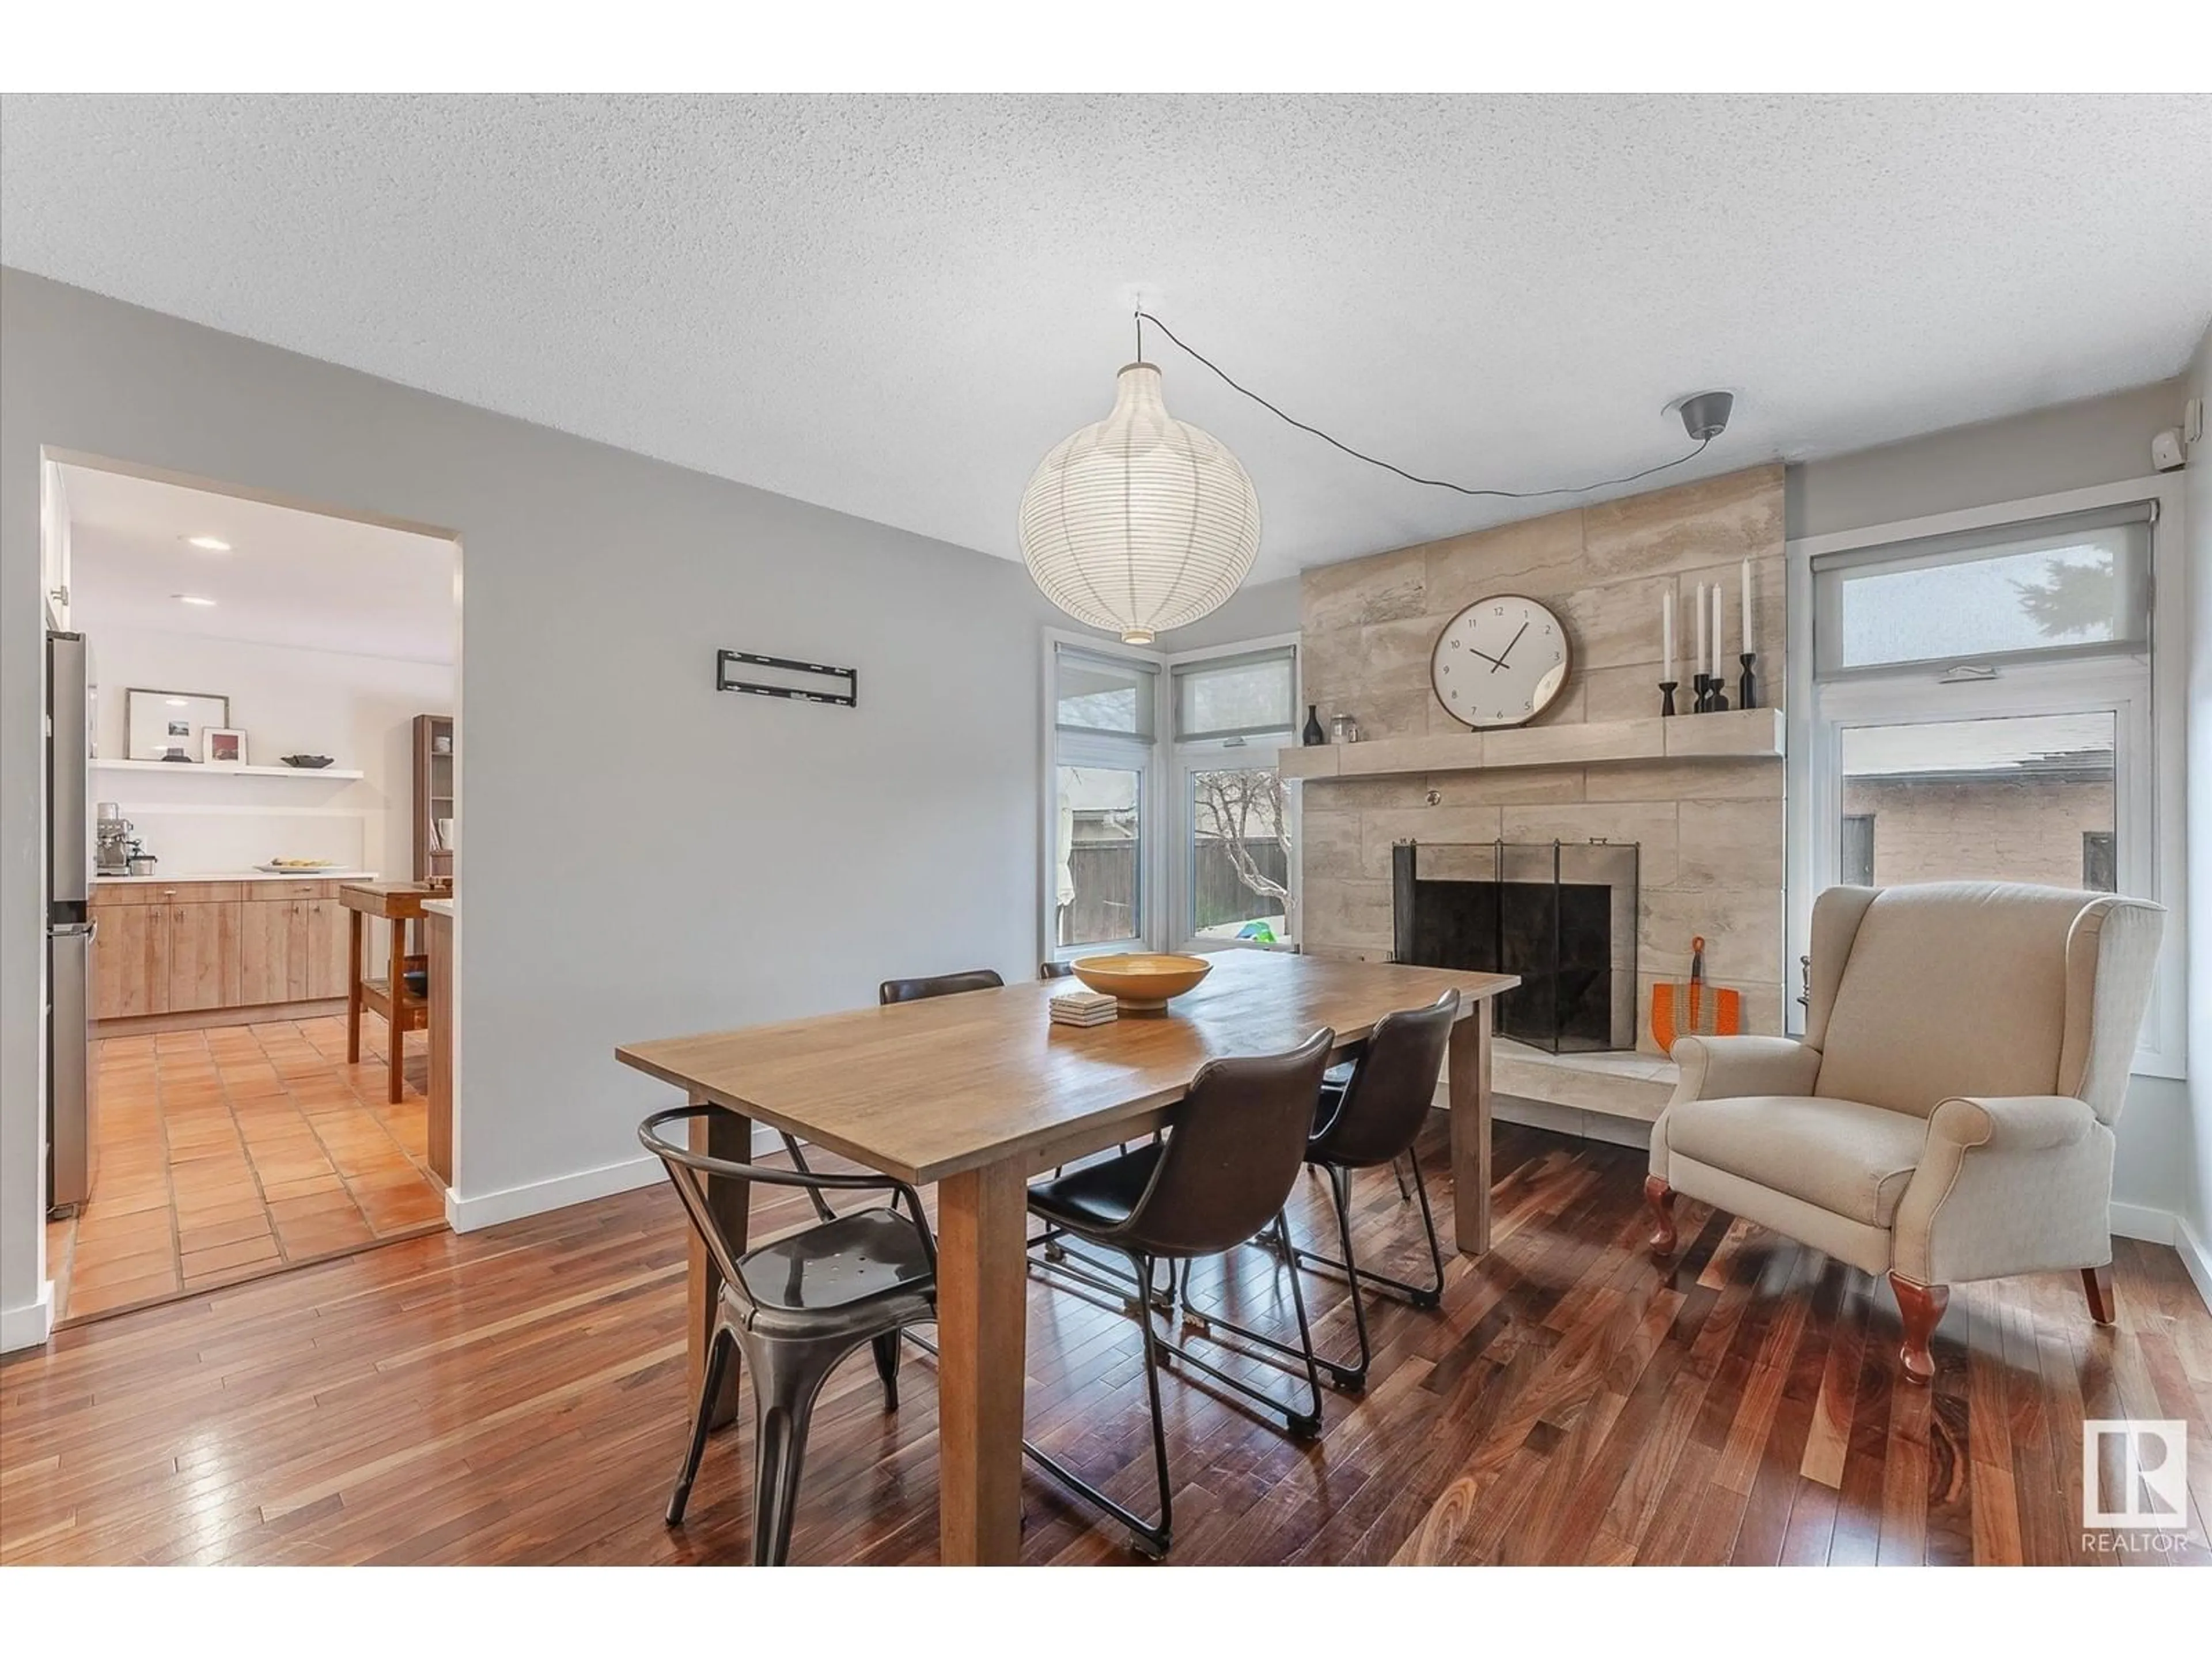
(1055, 970)
(1219, 1176)
(937, 985)
(1374, 1118)
(795, 1307)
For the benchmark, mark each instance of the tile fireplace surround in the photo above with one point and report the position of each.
(1710, 827)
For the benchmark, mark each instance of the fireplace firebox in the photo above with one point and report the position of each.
(1560, 914)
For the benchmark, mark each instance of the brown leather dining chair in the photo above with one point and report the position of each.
(1374, 1118)
(937, 985)
(795, 1307)
(1219, 1176)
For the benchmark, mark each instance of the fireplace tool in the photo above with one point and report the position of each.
(1693, 1008)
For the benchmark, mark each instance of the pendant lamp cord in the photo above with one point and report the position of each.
(1144, 317)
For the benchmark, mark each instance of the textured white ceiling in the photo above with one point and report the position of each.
(296, 578)
(895, 306)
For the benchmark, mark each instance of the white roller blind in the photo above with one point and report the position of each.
(1109, 695)
(2075, 585)
(1237, 696)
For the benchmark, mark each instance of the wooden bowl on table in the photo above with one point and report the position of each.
(1142, 983)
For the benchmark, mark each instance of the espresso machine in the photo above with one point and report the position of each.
(111, 847)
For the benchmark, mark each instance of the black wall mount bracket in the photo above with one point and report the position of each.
(783, 677)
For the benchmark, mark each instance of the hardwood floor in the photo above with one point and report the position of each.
(517, 1395)
(237, 1151)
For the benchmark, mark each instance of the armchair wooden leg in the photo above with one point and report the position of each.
(1921, 1308)
(2097, 1282)
(1661, 1197)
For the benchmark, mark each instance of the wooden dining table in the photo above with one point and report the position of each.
(977, 1092)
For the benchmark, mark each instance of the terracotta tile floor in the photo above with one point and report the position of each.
(239, 1151)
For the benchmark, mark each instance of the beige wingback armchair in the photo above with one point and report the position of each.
(1948, 1115)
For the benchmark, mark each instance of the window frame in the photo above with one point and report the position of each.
(2147, 700)
(1164, 816)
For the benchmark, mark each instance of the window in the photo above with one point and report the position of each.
(2076, 583)
(1858, 850)
(2006, 798)
(1203, 863)
(1232, 713)
(1238, 696)
(1104, 714)
(1104, 695)
(1101, 877)
(1977, 704)
(2099, 867)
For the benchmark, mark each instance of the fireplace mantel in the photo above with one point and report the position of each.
(1739, 734)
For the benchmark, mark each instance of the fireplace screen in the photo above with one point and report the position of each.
(1560, 914)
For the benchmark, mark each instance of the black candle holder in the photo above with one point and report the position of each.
(1746, 686)
(1666, 696)
(1717, 701)
(1701, 691)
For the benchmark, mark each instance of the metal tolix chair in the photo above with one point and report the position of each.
(796, 1307)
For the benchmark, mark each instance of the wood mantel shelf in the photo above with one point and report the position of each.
(1739, 734)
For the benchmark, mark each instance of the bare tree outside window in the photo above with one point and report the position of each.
(1241, 848)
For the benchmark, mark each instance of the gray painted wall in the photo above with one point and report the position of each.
(2196, 502)
(642, 855)
(2068, 446)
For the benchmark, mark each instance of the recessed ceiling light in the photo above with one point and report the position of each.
(191, 599)
(207, 543)
(180, 702)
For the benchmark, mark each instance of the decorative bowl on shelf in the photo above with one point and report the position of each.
(1142, 983)
(306, 762)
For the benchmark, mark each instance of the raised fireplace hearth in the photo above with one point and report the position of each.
(1560, 914)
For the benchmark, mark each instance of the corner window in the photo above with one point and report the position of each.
(1169, 828)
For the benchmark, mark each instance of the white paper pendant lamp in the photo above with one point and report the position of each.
(1140, 522)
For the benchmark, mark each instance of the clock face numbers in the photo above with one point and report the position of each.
(1500, 662)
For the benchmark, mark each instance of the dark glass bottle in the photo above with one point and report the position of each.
(1312, 736)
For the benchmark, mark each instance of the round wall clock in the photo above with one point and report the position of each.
(1500, 662)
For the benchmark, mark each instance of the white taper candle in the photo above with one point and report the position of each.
(1716, 630)
(1698, 662)
(1667, 634)
(1746, 607)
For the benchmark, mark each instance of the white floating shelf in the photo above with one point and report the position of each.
(184, 768)
(1738, 734)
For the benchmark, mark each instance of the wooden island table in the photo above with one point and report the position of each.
(976, 1093)
(398, 903)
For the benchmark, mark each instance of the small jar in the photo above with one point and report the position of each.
(1346, 727)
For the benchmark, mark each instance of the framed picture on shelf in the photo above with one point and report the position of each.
(167, 724)
(224, 745)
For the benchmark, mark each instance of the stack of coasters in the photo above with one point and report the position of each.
(1084, 1008)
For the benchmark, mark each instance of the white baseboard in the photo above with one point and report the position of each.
(2141, 1221)
(2194, 1257)
(470, 1214)
(30, 1325)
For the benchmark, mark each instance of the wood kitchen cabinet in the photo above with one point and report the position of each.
(204, 955)
(326, 947)
(178, 948)
(268, 962)
(130, 961)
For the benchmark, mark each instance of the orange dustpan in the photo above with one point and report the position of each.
(1693, 1008)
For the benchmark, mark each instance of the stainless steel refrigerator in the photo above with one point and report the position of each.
(72, 1100)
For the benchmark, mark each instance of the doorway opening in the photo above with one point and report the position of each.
(253, 792)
